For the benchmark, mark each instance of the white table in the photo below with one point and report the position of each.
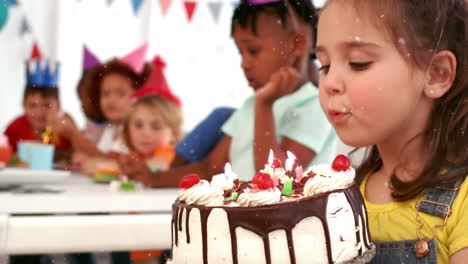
(132, 220)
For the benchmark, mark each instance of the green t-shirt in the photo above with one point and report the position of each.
(298, 116)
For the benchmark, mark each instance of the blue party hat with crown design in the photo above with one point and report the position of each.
(41, 73)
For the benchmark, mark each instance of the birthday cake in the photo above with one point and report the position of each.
(283, 216)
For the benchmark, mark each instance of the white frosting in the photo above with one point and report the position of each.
(257, 198)
(224, 180)
(4, 141)
(202, 193)
(327, 179)
(310, 244)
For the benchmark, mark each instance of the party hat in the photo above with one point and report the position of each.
(89, 59)
(156, 84)
(42, 73)
(35, 53)
(136, 58)
(39, 72)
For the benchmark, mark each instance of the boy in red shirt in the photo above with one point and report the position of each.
(40, 103)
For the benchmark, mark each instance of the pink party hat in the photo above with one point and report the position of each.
(136, 58)
(89, 59)
(156, 84)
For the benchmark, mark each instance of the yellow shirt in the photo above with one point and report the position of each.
(396, 221)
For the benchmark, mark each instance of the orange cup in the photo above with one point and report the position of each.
(5, 154)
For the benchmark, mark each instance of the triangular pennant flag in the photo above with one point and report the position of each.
(136, 58)
(12, 2)
(24, 28)
(109, 2)
(136, 4)
(164, 5)
(190, 9)
(215, 9)
(35, 53)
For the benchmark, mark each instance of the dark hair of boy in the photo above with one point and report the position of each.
(44, 91)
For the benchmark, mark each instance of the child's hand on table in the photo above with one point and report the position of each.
(136, 169)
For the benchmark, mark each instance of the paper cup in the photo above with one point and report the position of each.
(23, 150)
(39, 156)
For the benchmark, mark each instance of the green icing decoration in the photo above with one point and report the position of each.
(233, 197)
(127, 186)
(154, 168)
(13, 160)
(103, 177)
(287, 187)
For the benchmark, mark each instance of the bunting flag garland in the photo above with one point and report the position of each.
(215, 9)
(136, 4)
(109, 2)
(190, 9)
(3, 13)
(24, 28)
(164, 5)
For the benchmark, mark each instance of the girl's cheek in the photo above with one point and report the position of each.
(365, 97)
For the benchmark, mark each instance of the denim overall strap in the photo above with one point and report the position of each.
(438, 200)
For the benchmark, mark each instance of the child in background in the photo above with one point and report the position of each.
(93, 129)
(95, 123)
(108, 88)
(201, 140)
(40, 104)
(151, 130)
(394, 77)
(152, 125)
(275, 40)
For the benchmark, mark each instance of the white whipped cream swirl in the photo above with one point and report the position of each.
(202, 193)
(257, 198)
(224, 181)
(327, 180)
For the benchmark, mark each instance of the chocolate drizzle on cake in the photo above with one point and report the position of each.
(357, 203)
(187, 231)
(175, 214)
(282, 216)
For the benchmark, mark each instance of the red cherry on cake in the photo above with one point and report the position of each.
(189, 180)
(263, 181)
(341, 163)
(276, 164)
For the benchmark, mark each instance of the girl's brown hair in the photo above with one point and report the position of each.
(169, 112)
(90, 84)
(427, 27)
